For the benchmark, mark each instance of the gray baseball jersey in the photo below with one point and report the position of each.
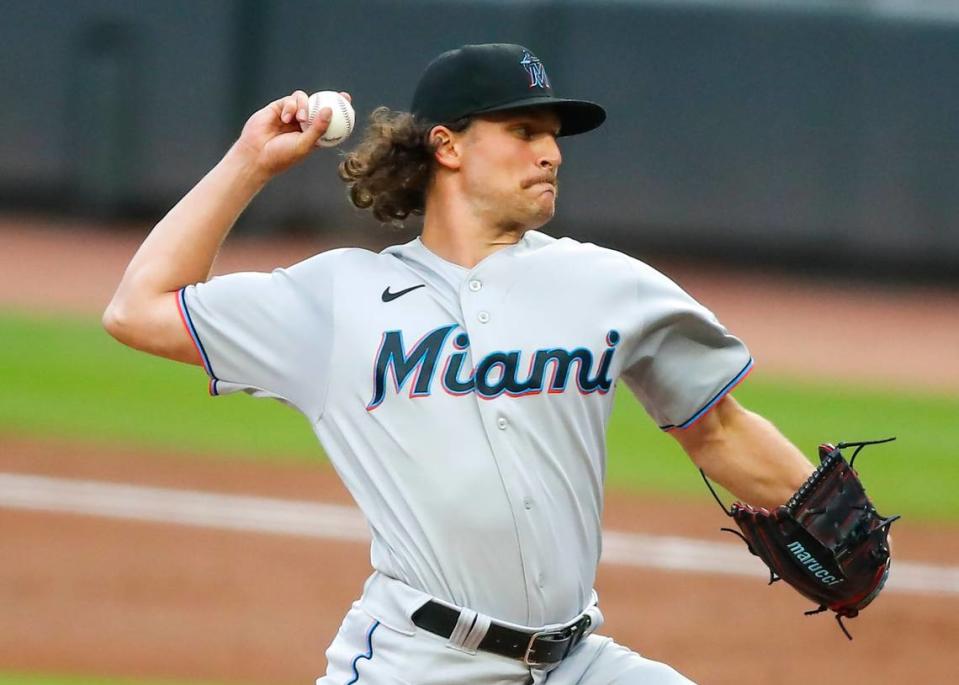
(466, 409)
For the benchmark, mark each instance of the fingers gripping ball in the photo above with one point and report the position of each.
(341, 123)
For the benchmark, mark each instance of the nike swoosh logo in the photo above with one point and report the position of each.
(389, 297)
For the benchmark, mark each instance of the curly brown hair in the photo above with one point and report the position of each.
(390, 170)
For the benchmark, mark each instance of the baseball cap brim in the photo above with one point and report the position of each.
(575, 116)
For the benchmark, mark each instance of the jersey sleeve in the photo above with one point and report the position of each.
(683, 361)
(267, 334)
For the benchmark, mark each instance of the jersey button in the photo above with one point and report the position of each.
(527, 503)
(475, 285)
(502, 423)
(483, 317)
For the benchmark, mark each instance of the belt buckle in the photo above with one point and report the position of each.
(572, 633)
(532, 646)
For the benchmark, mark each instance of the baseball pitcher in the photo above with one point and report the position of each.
(460, 383)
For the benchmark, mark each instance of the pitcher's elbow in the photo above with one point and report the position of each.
(116, 322)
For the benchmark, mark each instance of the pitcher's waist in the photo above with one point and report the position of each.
(393, 603)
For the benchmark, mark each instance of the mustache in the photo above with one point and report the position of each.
(541, 178)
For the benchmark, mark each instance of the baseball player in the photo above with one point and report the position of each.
(460, 383)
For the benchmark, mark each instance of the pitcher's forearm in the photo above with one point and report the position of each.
(181, 248)
(746, 454)
(759, 465)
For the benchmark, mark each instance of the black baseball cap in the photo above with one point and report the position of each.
(476, 79)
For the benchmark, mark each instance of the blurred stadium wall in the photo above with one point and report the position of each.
(774, 131)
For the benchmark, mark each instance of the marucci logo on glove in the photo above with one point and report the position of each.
(814, 567)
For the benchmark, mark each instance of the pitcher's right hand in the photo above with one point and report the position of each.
(272, 137)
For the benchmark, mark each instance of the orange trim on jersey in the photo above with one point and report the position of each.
(184, 318)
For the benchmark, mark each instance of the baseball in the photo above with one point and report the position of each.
(341, 125)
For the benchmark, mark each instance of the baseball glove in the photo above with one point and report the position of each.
(828, 541)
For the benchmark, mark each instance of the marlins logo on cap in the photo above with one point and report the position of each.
(535, 69)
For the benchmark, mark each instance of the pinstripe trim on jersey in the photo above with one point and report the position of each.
(368, 656)
(197, 343)
(737, 379)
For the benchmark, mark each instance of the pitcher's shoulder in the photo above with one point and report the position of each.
(344, 258)
(588, 255)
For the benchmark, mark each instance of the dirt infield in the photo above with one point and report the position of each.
(96, 596)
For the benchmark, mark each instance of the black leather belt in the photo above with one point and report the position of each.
(535, 649)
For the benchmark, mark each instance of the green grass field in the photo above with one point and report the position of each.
(68, 379)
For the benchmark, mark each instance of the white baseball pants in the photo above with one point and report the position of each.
(378, 644)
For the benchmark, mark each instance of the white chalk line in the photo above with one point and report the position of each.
(336, 522)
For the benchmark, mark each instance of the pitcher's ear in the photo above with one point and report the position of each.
(446, 147)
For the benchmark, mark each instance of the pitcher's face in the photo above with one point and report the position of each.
(510, 162)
